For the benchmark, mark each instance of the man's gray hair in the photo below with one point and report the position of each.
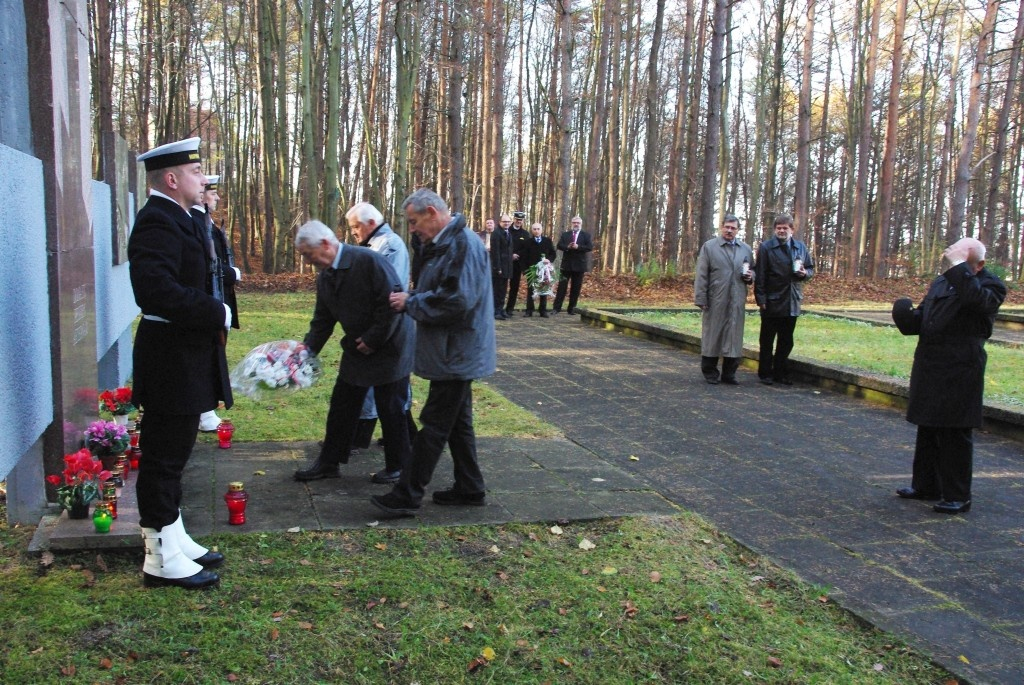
(311, 233)
(730, 219)
(363, 212)
(423, 198)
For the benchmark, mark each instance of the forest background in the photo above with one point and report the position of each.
(887, 129)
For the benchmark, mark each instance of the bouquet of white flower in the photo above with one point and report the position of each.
(279, 366)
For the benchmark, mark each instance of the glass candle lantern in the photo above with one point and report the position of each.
(224, 432)
(102, 518)
(236, 499)
(122, 466)
(133, 437)
(133, 458)
(111, 502)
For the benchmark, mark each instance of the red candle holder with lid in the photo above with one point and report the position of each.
(224, 432)
(236, 498)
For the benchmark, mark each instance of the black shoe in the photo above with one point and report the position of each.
(570, 310)
(393, 506)
(543, 315)
(508, 312)
(783, 381)
(911, 493)
(199, 581)
(210, 560)
(385, 477)
(711, 380)
(500, 317)
(556, 311)
(454, 497)
(731, 380)
(318, 470)
(767, 381)
(945, 507)
(527, 313)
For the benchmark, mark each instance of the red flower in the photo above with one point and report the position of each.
(53, 480)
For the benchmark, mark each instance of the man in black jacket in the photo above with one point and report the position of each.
(500, 249)
(537, 248)
(377, 347)
(575, 246)
(179, 365)
(519, 236)
(783, 264)
(227, 274)
(948, 377)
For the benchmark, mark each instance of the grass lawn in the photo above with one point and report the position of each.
(662, 600)
(878, 349)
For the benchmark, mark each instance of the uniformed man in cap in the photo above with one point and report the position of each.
(223, 269)
(519, 237)
(180, 368)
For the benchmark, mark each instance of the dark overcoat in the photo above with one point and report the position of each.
(179, 364)
(532, 251)
(356, 296)
(577, 260)
(501, 253)
(953, 321)
(776, 287)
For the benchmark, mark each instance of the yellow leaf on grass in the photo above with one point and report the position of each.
(609, 571)
(633, 457)
(381, 546)
(488, 653)
(586, 544)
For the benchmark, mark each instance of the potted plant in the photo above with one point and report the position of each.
(80, 482)
(117, 403)
(106, 440)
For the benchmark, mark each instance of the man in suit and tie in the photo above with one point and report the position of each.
(377, 347)
(538, 249)
(179, 365)
(499, 247)
(575, 245)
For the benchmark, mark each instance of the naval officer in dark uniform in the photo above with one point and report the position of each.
(179, 364)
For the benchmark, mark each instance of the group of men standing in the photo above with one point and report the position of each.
(513, 251)
(947, 379)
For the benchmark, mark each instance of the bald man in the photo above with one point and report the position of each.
(948, 377)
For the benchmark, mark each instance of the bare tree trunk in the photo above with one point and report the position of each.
(670, 244)
(647, 197)
(705, 224)
(993, 238)
(592, 190)
(860, 199)
(564, 115)
(879, 260)
(947, 138)
(407, 50)
(454, 113)
(962, 177)
(803, 133)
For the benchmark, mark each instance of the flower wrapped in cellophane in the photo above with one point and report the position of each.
(279, 366)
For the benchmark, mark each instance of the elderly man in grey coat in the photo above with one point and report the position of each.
(720, 292)
(453, 308)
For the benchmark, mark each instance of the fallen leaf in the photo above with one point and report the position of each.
(879, 667)
(100, 564)
(503, 629)
(296, 529)
(501, 575)
(275, 633)
(378, 625)
(493, 549)
(476, 664)
(586, 544)
(37, 650)
(467, 625)
(90, 577)
(68, 670)
(106, 664)
(602, 588)
(562, 661)
(373, 524)
(231, 678)
(381, 546)
(305, 625)
(259, 472)
(775, 662)
(964, 659)
(46, 559)
(757, 579)
(277, 614)
(655, 577)
(597, 480)
(305, 562)
(681, 618)
(633, 457)
(488, 653)
(823, 599)
(706, 541)
(533, 536)
(609, 571)
(556, 530)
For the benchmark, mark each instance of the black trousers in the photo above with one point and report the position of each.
(574, 281)
(513, 286)
(447, 417)
(500, 287)
(543, 304)
(166, 442)
(775, 365)
(943, 462)
(343, 420)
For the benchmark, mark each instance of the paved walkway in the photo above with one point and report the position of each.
(802, 476)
